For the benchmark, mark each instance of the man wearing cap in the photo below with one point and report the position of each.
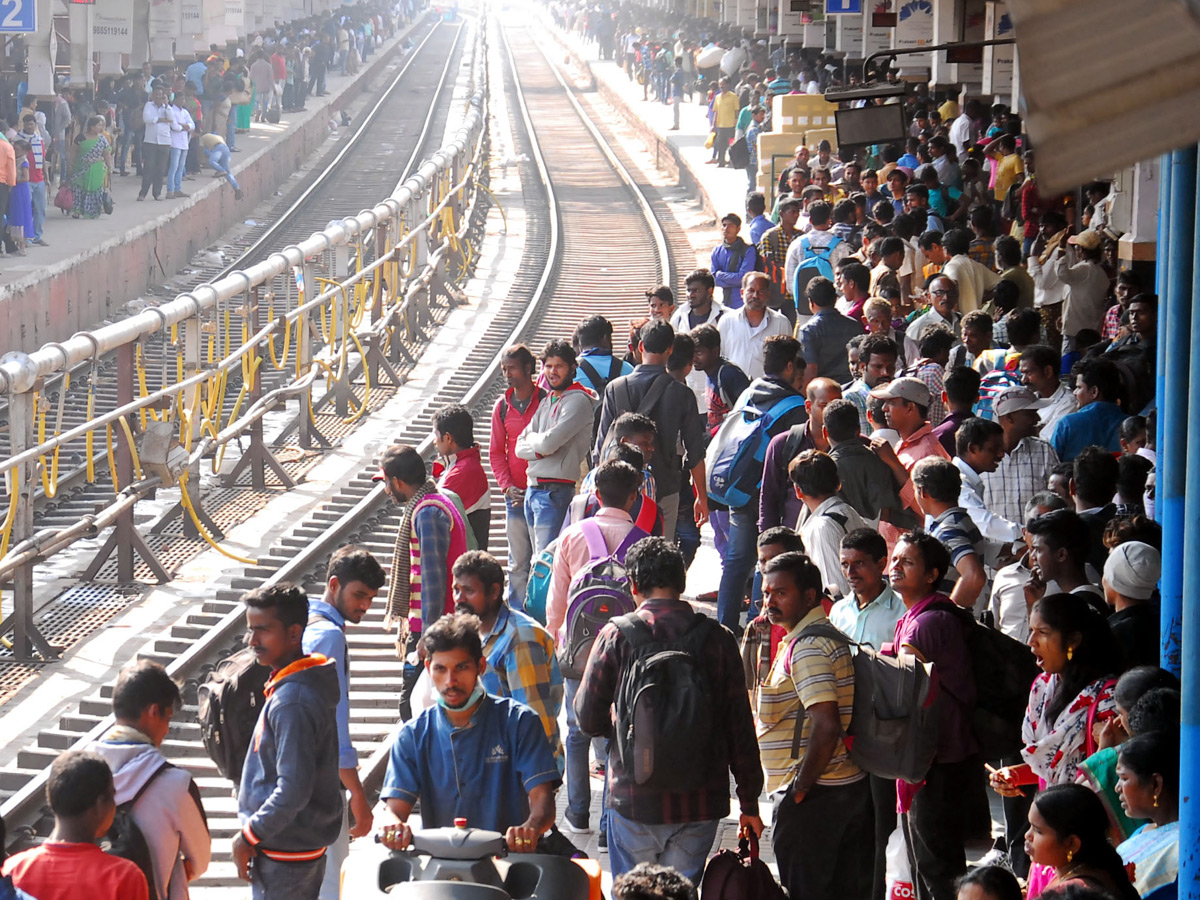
(431, 537)
(906, 404)
(1087, 285)
(1130, 575)
(1025, 469)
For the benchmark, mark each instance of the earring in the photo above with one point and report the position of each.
(1070, 653)
(1156, 801)
(1070, 856)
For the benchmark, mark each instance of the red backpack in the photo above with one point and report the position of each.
(740, 875)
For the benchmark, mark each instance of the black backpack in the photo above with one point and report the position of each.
(230, 701)
(663, 706)
(125, 839)
(1004, 670)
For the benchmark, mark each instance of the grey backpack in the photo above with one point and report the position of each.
(894, 727)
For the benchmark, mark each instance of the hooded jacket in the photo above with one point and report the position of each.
(169, 814)
(290, 800)
(558, 437)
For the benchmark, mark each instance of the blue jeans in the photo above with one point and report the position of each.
(264, 101)
(175, 169)
(579, 787)
(272, 880)
(37, 193)
(741, 552)
(545, 511)
(231, 128)
(520, 552)
(682, 847)
(218, 158)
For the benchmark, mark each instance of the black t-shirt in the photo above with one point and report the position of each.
(1136, 629)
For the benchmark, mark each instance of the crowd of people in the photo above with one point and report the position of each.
(165, 123)
(921, 406)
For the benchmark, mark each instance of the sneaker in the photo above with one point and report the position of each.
(141, 197)
(597, 769)
(995, 857)
(180, 195)
(572, 828)
(41, 242)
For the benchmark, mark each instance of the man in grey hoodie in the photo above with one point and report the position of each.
(290, 801)
(167, 809)
(556, 442)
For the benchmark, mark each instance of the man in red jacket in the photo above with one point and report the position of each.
(510, 415)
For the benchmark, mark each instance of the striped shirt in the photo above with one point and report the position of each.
(959, 534)
(805, 672)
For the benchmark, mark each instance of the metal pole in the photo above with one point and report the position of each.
(1173, 398)
(25, 635)
(1189, 738)
(124, 464)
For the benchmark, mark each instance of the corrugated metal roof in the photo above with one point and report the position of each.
(1106, 83)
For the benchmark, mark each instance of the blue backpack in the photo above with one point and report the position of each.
(735, 457)
(814, 261)
(538, 589)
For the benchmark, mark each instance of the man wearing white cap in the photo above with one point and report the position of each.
(906, 403)
(1087, 286)
(1131, 573)
(1025, 469)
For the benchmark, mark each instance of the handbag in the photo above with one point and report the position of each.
(712, 139)
(106, 201)
(65, 198)
(739, 875)
(239, 98)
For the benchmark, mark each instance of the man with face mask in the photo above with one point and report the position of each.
(352, 580)
(431, 536)
(499, 741)
(519, 652)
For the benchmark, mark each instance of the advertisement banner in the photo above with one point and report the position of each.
(850, 36)
(191, 16)
(998, 61)
(164, 20)
(914, 26)
(112, 29)
(791, 17)
(876, 37)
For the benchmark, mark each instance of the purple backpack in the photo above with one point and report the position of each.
(598, 592)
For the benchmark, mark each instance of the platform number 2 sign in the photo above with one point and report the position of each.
(18, 16)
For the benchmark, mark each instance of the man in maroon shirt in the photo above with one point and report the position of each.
(510, 415)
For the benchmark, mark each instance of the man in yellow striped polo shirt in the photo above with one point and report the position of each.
(823, 829)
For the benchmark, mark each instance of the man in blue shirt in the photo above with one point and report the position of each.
(195, 72)
(520, 653)
(352, 580)
(596, 365)
(1098, 421)
(474, 756)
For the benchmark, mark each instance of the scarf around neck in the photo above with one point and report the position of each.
(400, 591)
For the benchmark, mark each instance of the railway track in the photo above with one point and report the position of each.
(595, 240)
(392, 135)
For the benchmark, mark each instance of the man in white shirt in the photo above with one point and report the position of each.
(1009, 604)
(1087, 285)
(826, 518)
(156, 146)
(975, 280)
(962, 129)
(182, 127)
(702, 309)
(743, 331)
(1039, 366)
(980, 448)
(943, 310)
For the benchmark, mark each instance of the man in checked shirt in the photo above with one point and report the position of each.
(519, 652)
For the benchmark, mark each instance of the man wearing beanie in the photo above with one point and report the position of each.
(1130, 576)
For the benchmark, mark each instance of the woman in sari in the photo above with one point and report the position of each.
(1068, 703)
(1099, 771)
(1148, 782)
(1068, 835)
(89, 174)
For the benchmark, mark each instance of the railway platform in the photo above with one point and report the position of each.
(93, 267)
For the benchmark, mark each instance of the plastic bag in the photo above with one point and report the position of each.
(898, 877)
(422, 693)
(712, 139)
